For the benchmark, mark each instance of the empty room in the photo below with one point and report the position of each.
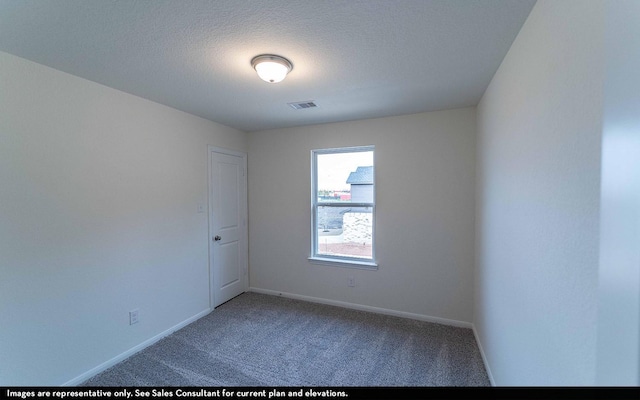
(383, 193)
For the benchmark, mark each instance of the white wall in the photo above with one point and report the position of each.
(425, 213)
(619, 278)
(539, 142)
(98, 199)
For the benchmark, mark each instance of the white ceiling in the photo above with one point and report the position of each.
(356, 58)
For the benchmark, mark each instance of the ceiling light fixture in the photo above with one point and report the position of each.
(271, 68)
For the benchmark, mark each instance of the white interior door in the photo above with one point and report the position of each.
(228, 225)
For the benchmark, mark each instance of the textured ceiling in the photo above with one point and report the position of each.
(356, 59)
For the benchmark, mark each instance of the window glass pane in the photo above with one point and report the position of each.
(345, 231)
(345, 177)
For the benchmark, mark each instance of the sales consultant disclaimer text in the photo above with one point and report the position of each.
(137, 393)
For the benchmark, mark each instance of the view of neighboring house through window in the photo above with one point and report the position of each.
(343, 205)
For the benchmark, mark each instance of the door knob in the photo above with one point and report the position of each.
(217, 238)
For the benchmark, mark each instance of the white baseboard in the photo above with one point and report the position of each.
(94, 371)
(484, 357)
(360, 307)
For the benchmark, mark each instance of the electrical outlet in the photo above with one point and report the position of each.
(351, 282)
(134, 316)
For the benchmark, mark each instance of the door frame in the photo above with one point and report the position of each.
(244, 215)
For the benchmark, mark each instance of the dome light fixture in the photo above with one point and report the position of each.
(271, 68)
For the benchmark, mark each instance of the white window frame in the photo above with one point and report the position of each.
(334, 260)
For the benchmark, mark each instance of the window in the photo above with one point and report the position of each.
(343, 206)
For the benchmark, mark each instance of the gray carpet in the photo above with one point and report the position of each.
(262, 340)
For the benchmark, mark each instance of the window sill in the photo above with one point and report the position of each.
(370, 265)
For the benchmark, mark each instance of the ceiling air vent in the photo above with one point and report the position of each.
(300, 105)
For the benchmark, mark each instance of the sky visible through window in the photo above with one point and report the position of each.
(334, 169)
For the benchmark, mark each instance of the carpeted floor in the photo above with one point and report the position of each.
(262, 340)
